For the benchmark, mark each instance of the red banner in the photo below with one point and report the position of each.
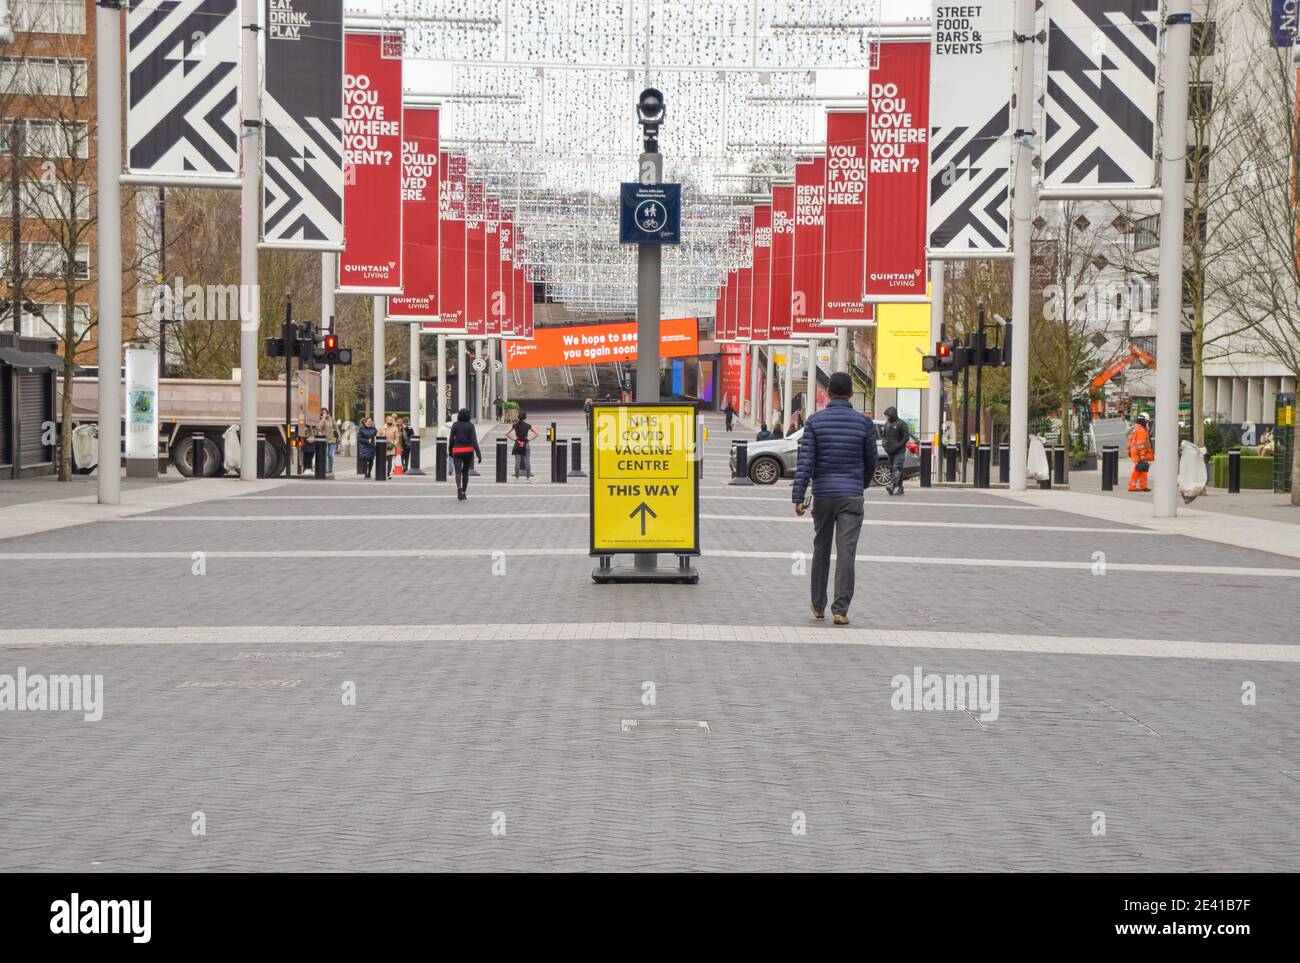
(451, 245)
(782, 259)
(528, 309)
(507, 232)
(809, 227)
(720, 332)
(371, 262)
(495, 309)
(733, 304)
(744, 302)
(844, 257)
(475, 259)
(420, 180)
(762, 301)
(898, 172)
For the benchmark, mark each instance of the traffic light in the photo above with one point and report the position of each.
(329, 352)
(948, 359)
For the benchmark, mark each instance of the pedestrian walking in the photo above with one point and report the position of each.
(406, 433)
(366, 436)
(729, 413)
(520, 434)
(837, 457)
(763, 433)
(1140, 450)
(462, 442)
(393, 435)
(894, 437)
(327, 429)
(500, 407)
(586, 411)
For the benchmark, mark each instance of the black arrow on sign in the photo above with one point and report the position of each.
(644, 509)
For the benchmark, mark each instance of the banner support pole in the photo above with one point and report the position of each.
(250, 300)
(378, 361)
(1021, 215)
(1169, 322)
(108, 102)
(934, 399)
(810, 405)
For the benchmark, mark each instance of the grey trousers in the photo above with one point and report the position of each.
(837, 520)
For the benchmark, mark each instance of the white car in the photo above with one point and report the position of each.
(777, 458)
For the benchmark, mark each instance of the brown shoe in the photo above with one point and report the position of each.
(818, 614)
(840, 619)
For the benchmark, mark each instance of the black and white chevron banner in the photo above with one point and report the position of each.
(302, 120)
(182, 61)
(971, 59)
(1101, 93)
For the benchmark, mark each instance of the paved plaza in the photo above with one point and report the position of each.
(510, 714)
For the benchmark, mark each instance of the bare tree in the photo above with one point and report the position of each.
(1263, 226)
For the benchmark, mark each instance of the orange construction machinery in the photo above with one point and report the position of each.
(1114, 367)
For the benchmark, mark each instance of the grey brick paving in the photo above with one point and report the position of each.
(448, 733)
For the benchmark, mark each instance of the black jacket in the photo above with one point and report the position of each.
(837, 453)
(894, 436)
(463, 434)
(366, 442)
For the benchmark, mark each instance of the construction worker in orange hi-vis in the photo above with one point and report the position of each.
(1140, 450)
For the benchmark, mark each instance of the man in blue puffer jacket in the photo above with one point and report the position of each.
(837, 454)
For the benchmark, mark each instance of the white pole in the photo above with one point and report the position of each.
(934, 397)
(478, 383)
(108, 104)
(250, 301)
(811, 404)
(1178, 38)
(755, 402)
(328, 271)
(505, 373)
(440, 405)
(744, 381)
(460, 374)
(415, 421)
(1023, 212)
(789, 385)
(768, 411)
(378, 365)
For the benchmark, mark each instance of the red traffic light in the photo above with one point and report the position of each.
(943, 349)
(331, 342)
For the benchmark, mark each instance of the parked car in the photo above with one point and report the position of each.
(771, 461)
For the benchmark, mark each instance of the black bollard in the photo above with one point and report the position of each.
(984, 465)
(1234, 471)
(196, 456)
(440, 459)
(741, 474)
(575, 446)
(262, 461)
(950, 463)
(1060, 475)
(320, 458)
(561, 461)
(1004, 464)
(381, 459)
(927, 467)
(503, 455)
(414, 463)
(1109, 453)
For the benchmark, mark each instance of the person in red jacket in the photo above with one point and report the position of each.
(1140, 450)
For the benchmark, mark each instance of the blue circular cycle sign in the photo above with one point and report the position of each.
(651, 216)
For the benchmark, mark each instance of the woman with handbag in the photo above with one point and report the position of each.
(462, 444)
(521, 433)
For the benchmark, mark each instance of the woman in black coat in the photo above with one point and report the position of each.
(462, 445)
(366, 445)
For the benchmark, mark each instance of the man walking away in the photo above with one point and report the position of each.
(895, 436)
(837, 455)
(1140, 450)
(462, 443)
(729, 413)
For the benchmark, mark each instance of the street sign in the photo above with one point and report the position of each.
(650, 214)
(644, 483)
